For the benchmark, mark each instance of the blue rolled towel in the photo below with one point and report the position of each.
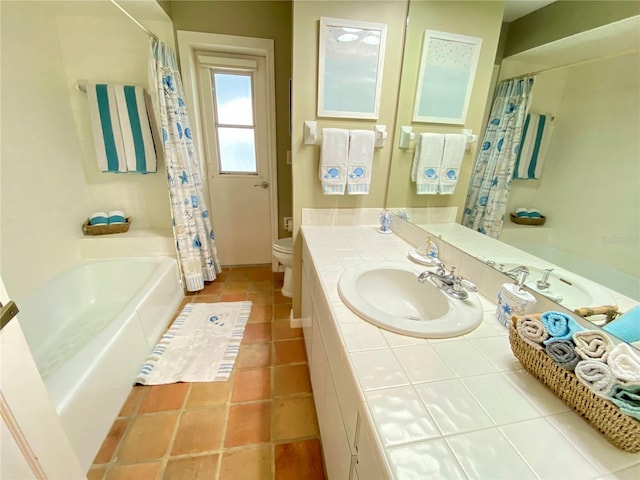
(563, 353)
(626, 327)
(559, 326)
(627, 399)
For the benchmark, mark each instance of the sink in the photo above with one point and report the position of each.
(388, 295)
(565, 287)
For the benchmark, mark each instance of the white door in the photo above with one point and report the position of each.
(33, 443)
(234, 98)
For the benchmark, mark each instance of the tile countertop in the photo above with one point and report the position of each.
(461, 407)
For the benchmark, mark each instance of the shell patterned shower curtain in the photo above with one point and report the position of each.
(191, 222)
(488, 193)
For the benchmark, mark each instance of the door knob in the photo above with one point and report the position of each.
(263, 184)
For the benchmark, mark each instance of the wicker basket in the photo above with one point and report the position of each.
(528, 220)
(105, 229)
(621, 430)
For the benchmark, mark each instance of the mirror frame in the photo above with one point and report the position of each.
(428, 58)
(324, 54)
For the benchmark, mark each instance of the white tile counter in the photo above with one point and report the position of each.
(461, 407)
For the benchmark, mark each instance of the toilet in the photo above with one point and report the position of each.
(283, 252)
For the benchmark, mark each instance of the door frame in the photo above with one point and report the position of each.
(188, 44)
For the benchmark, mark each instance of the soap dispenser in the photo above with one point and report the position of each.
(513, 299)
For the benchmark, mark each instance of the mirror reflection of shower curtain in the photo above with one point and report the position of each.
(191, 222)
(488, 193)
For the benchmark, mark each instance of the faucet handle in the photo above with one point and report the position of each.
(460, 283)
(441, 269)
(468, 285)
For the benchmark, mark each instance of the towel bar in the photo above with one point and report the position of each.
(313, 135)
(407, 136)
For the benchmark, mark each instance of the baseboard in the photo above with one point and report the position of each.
(294, 322)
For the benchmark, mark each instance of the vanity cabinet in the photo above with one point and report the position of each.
(349, 448)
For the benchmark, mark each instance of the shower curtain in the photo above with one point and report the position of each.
(488, 193)
(191, 222)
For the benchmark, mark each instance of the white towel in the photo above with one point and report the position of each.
(455, 145)
(624, 362)
(536, 135)
(426, 162)
(333, 160)
(360, 161)
(105, 123)
(136, 131)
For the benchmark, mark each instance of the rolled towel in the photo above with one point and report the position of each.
(624, 362)
(116, 216)
(532, 331)
(596, 376)
(627, 326)
(592, 345)
(627, 399)
(98, 218)
(563, 353)
(559, 326)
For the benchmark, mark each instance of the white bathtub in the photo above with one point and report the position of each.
(89, 330)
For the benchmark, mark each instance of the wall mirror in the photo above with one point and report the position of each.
(592, 234)
(350, 64)
(447, 70)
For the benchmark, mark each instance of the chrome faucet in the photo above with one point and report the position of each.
(543, 283)
(454, 286)
(514, 272)
(440, 275)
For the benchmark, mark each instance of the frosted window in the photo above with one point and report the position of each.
(237, 147)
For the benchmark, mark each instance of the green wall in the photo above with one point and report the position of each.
(562, 19)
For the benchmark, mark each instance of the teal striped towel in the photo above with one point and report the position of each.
(121, 128)
(536, 134)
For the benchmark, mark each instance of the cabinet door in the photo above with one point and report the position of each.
(369, 462)
(306, 310)
(319, 368)
(335, 444)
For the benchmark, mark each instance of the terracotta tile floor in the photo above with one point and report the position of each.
(261, 424)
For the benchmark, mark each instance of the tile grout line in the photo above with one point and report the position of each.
(165, 458)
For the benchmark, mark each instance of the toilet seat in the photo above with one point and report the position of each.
(284, 245)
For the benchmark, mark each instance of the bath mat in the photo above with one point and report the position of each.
(200, 346)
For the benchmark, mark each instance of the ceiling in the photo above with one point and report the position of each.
(514, 9)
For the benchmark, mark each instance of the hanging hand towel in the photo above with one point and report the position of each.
(333, 160)
(426, 162)
(360, 161)
(455, 145)
(536, 134)
(136, 131)
(105, 123)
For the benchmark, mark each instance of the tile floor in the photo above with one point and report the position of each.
(261, 424)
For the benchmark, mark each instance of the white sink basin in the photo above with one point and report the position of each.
(565, 287)
(389, 295)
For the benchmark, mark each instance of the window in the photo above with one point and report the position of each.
(234, 121)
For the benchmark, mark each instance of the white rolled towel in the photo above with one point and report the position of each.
(624, 362)
(596, 376)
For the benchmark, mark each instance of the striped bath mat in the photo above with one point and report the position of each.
(201, 345)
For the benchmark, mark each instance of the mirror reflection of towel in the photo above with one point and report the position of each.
(455, 145)
(426, 162)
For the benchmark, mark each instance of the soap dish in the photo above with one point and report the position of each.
(421, 258)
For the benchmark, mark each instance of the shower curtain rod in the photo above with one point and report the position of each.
(574, 64)
(131, 17)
